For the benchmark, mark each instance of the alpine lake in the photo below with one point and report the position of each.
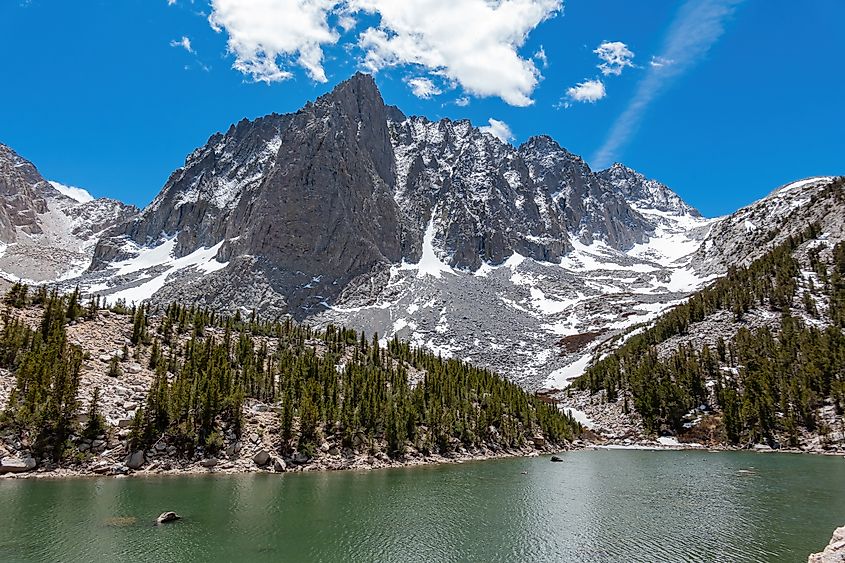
(597, 505)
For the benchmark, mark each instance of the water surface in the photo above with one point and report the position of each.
(595, 506)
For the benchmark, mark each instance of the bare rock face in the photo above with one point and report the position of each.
(643, 192)
(21, 190)
(835, 550)
(306, 206)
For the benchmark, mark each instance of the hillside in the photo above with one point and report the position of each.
(87, 389)
(757, 357)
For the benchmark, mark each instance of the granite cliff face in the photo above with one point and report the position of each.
(335, 193)
(20, 187)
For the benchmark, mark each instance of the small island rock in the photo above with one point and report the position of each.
(166, 517)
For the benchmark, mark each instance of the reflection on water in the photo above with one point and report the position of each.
(596, 506)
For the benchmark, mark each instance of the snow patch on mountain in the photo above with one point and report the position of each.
(155, 265)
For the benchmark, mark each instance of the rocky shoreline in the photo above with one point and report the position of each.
(262, 461)
(615, 427)
(835, 550)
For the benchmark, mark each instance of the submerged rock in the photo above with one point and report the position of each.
(556, 458)
(835, 550)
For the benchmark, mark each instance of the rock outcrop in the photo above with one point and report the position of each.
(835, 550)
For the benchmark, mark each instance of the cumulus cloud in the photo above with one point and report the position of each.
(473, 44)
(423, 87)
(263, 33)
(615, 56)
(185, 43)
(78, 194)
(498, 129)
(588, 91)
(697, 26)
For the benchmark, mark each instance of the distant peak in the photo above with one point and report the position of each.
(359, 86)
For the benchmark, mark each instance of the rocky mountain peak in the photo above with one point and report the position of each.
(643, 192)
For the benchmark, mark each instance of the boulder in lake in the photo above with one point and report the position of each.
(557, 458)
(166, 517)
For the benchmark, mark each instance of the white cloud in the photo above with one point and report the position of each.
(171, 2)
(616, 56)
(463, 101)
(473, 43)
(587, 91)
(498, 129)
(263, 32)
(185, 43)
(659, 61)
(423, 87)
(79, 194)
(540, 55)
(697, 26)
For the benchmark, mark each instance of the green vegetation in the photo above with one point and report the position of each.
(43, 403)
(765, 384)
(331, 383)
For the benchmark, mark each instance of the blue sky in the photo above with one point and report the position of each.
(722, 100)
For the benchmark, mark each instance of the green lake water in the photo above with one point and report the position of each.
(595, 506)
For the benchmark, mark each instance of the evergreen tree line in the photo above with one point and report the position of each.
(42, 406)
(765, 384)
(333, 383)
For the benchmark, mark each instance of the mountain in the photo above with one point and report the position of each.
(753, 358)
(45, 233)
(350, 212)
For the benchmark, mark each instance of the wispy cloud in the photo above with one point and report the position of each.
(615, 56)
(423, 87)
(698, 25)
(185, 43)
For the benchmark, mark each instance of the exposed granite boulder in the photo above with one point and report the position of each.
(835, 550)
(17, 464)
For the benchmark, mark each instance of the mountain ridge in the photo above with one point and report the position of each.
(349, 212)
